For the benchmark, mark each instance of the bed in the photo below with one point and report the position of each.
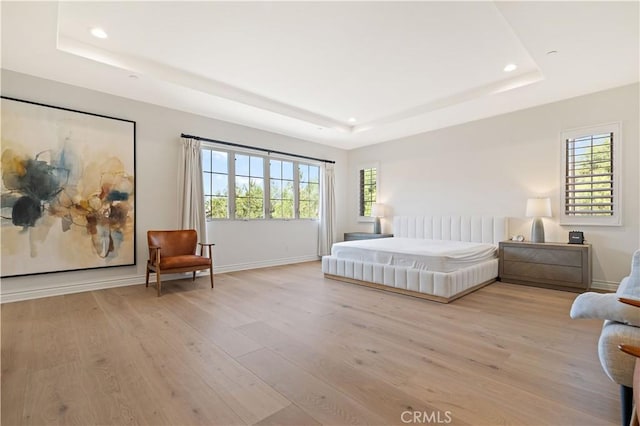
(439, 258)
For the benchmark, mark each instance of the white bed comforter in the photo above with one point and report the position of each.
(423, 254)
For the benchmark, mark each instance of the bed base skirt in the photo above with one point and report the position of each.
(436, 286)
(426, 296)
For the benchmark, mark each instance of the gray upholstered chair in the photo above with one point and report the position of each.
(621, 326)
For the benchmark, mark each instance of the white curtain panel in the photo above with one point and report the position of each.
(191, 192)
(327, 229)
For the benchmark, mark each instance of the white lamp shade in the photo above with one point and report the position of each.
(377, 210)
(538, 207)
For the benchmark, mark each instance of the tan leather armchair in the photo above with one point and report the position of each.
(172, 252)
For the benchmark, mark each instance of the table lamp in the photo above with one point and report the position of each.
(377, 211)
(538, 208)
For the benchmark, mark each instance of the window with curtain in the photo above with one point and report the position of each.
(244, 185)
(591, 176)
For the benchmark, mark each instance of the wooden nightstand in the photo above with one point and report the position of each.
(552, 265)
(352, 236)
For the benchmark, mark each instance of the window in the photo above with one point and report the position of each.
(591, 160)
(589, 180)
(249, 186)
(309, 190)
(243, 185)
(368, 190)
(282, 189)
(216, 183)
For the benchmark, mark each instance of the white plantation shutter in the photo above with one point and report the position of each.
(589, 180)
(591, 176)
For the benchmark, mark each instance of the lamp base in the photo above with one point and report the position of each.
(377, 229)
(537, 231)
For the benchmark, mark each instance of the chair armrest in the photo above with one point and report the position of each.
(617, 364)
(209, 245)
(630, 349)
(604, 306)
(632, 302)
(154, 256)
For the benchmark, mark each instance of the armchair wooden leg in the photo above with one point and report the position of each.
(211, 275)
(626, 399)
(159, 283)
(147, 279)
(194, 276)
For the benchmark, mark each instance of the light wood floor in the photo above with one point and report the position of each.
(285, 346)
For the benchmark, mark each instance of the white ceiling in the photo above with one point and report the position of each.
(304, 68)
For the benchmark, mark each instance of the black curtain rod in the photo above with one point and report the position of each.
(269, 151)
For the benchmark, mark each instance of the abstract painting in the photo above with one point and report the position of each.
(68, 189)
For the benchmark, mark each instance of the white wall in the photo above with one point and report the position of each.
(486, 167)
(239, 244)
(491, 166)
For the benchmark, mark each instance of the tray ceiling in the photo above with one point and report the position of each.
(345, 74)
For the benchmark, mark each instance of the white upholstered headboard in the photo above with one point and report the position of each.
(476, 229)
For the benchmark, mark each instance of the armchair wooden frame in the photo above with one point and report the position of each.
(635, 351)
(174, 262)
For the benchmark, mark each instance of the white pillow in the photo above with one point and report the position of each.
(605, 307)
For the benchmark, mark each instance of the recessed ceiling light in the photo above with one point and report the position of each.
(352, 120)
(510, 67)
(98, 32)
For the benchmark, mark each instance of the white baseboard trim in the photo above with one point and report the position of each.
(605, 285)
(78, 287)
(264, 264)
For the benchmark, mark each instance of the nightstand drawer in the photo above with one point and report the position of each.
(352, 236)
(547, 256)
(562, 275)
